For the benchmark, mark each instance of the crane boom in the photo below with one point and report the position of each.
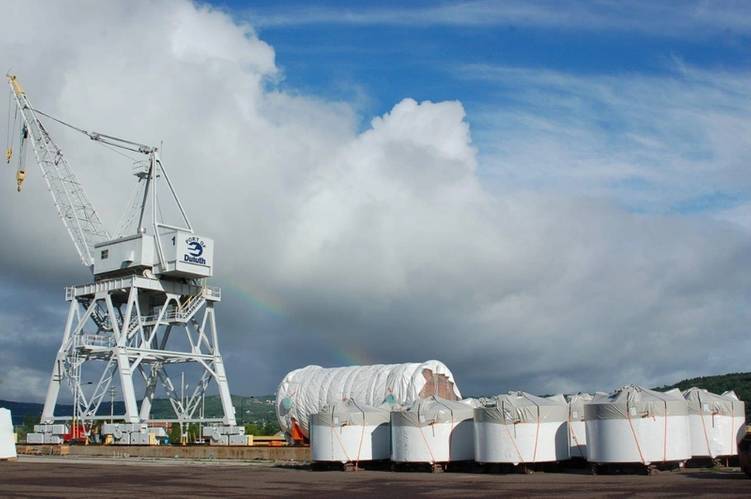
(73, 206)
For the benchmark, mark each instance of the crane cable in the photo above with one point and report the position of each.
(9, 146)
(92, 135)
(37, 111)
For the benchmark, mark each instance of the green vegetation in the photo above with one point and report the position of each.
(27, 426)
(257, 413)
(738, 382)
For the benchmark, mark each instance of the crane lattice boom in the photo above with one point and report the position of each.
(73, 206)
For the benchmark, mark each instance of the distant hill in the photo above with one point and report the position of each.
(739, 382)
(249, 410)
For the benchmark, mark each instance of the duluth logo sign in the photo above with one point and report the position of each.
(195, 251)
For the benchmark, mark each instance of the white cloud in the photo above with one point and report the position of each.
(384, 241)
(654, 142)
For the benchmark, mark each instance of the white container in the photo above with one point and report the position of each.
(306, 391)
(349, 432)
(7, 439)
(577, 431)
(432, 431)
(521, 428)
(715, 422)
(637, 425)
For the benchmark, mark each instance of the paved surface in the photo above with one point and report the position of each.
(89, 477)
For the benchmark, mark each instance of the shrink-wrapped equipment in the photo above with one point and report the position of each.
(432, 431)
(518, 427)
(350, 432)
(306, 391)
(715, 422)
(637, 425)
(577, 433)
(7, 438)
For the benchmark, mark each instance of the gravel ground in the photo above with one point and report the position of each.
(89, 477)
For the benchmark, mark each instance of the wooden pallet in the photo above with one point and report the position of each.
(633, 468)
(350, 466)
(418, 467)
(452, 466)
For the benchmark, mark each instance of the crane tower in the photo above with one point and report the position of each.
(148, 310)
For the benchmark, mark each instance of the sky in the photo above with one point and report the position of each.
(546, 196)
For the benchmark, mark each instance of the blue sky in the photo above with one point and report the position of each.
(390, 60)
(373, 54)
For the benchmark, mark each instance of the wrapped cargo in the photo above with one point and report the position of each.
(577, 432)
(716, 422)
(637, 425)
(306, 391)
(433, 431)
(7, 438)
(348, 432)
(520, 428)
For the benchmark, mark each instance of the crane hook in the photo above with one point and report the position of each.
(9, 154)
(20, 177)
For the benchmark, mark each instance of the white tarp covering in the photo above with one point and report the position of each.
(716, 421)
(350, 432)
(519, 427)
(637, 425)
(433, 431)
(306, 391)
(577, 432)
(7, 440)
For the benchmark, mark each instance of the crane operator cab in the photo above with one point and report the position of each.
(183, 255)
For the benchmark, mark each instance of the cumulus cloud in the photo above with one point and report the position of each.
(336, 245)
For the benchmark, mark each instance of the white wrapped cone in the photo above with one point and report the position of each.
(637, 425)
(577, 430)
(349, 432)
(433, 431)
(518, 428)
(7, 439)
(716, 422)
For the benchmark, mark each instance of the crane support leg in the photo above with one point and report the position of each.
(48, 413)
(127, 388)
(123, 329)
(220, 375)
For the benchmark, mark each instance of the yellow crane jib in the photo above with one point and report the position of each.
(20, 177)
(14, 83)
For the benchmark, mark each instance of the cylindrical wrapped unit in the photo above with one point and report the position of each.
(433, 431)
(350, 432)
(7, 439)
(715, 421)
(306, 391)
(637, 425)
(521, 428)
(577, 432)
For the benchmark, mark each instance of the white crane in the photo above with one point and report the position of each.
(148, 309)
